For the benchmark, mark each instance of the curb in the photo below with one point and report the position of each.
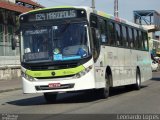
(9, 90)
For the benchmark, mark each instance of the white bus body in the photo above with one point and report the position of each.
(119, 62)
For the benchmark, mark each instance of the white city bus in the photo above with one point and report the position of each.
(69, 49)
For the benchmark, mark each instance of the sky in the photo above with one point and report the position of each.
(126, 7)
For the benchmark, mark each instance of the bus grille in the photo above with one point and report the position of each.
(46, 87)
(53, 77)
(51, 67)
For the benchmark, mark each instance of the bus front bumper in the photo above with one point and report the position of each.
(59, 85)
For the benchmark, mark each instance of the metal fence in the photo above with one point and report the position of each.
(7, 55)
(5, 46)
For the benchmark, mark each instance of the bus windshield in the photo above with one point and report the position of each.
(58, 42)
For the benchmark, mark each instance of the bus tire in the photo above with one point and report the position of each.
(50, 97)
(104, 92)
(137, 86)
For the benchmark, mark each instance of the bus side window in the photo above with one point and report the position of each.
(119, 35)
(93, 21)
(111, 28)
(102, 27)
(130, 38)
(96, 43)
(136, 38)
(140, 40)
(143, 41)
(95, 36)
(124, 38)
(146, 44)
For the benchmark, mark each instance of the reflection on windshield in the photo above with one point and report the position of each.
(56, 43)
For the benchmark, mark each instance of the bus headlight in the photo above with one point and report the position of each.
(28, 77)
(82, 73)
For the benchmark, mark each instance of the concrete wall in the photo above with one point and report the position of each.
(9, 60)
(9, 73)
(9, 67)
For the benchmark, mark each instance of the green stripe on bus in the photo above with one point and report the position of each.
(104, 14)
(50, 8)
(55, 73)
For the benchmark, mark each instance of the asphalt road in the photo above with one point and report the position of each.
(121, 101)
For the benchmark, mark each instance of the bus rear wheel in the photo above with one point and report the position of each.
(50, 97)
(137, 86)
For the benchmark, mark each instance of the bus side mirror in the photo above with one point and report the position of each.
(14, 41)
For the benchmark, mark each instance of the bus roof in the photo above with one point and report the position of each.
(91, 10)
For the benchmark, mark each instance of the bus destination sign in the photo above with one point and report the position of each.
(53, 15)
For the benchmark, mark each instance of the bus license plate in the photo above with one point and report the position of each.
(54, 85)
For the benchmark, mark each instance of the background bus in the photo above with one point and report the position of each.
(154, 47)
(67, 49)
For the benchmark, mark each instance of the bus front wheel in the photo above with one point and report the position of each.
(104, 92)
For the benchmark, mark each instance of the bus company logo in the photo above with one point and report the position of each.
(53, 73)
